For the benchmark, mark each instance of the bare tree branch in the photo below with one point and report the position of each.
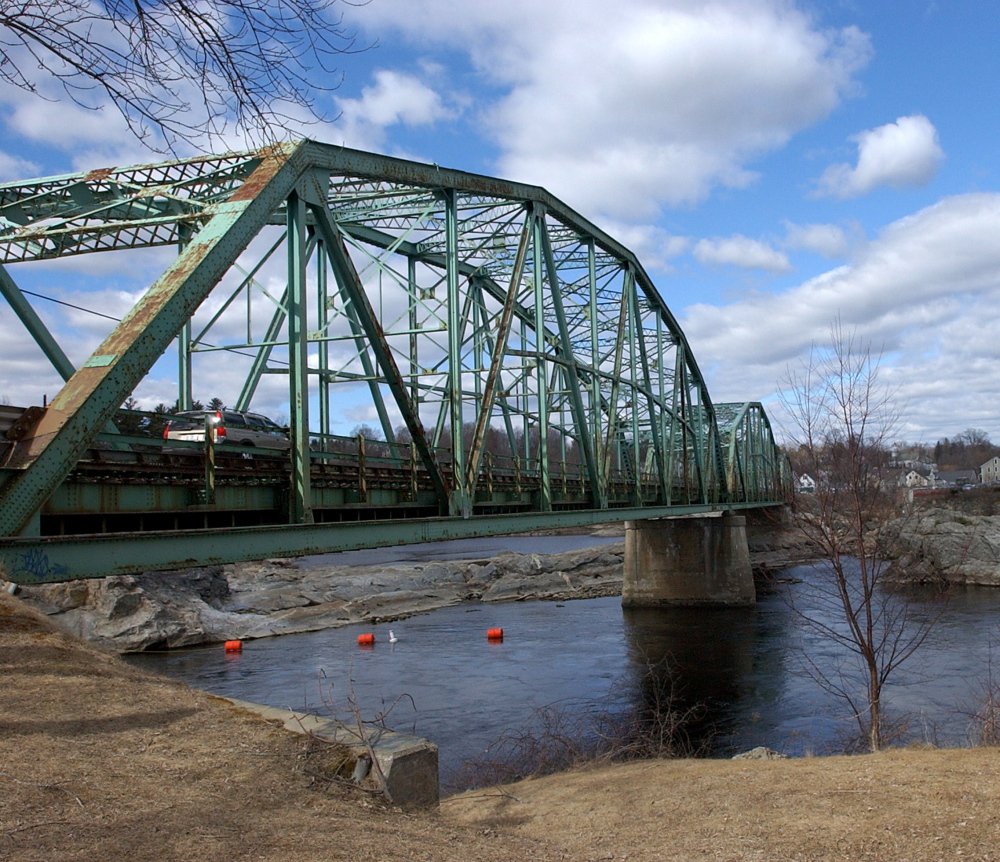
(180, 71)
(844, 420)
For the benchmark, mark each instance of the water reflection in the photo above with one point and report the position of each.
(692, 662)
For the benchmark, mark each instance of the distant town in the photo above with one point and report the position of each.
(965, 462)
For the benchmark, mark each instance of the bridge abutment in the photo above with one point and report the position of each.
(687, 561)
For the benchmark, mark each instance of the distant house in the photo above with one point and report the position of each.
(956, 478)
(806, 484)
(918, 477)
(989, 473)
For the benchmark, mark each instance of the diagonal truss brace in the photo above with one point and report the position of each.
(350, 284)
(91, 396)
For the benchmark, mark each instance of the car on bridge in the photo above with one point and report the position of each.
(228, 426)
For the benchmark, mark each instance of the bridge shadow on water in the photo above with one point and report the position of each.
(690, 670)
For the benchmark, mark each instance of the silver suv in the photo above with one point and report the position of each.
(228, 426)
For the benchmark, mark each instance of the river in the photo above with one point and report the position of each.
(744, 677)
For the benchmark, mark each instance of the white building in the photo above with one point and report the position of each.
(989, 473)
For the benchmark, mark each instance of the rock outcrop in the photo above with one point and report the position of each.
(162, 610)
(947, 546)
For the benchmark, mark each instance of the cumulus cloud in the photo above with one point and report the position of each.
(828, 240)
(16, 168)
(741, 251)
(394, 98)
(927, 290)
(655, 247)
(899, 154)
(656, 104)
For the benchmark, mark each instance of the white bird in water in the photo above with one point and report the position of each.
(392, 637)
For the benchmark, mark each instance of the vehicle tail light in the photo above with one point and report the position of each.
(220, 429)
(166, 430)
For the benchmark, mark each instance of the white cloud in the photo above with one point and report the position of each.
(655, 104)
(16, 168)
(741, 251)
(927, 290)
(828, 240)
(395, 98)
(653, 246)
(899, 154)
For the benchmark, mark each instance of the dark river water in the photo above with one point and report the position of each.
(745, 677)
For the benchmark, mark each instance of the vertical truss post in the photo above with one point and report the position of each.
(538, 283)
(666, 442)
(478, 322)
(411, 302)
(185, 397)
(683, 414)
(322, 310)
(491, 386)
(523, 398)
(610, 442)
(699, 447)
(460, 502)
(651, 401)
(635, 333)
(571, 377)
(300, 502)
(600, 491)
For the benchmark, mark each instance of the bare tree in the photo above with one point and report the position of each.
(844, 420)
(179, 70)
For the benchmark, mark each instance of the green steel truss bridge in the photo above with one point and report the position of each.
(523, 369)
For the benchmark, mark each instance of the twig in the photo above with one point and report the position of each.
(498, 794)
(44, 787)
(30, 826)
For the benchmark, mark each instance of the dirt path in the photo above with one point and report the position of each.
(99, 761)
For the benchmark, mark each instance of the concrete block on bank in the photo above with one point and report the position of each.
(408, 763)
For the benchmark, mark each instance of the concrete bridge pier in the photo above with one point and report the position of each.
(692, 561)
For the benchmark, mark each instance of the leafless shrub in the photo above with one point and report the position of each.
(364, 732)
(561, 738)
(843, 420)
(984, 714)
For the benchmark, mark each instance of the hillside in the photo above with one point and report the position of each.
(101, 761)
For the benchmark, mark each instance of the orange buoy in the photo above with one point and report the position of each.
(494, 634)
(366, 639)
(234, 646)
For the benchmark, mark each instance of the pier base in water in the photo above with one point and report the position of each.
(687, 561)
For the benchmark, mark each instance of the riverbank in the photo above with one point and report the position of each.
(101, 761)
(166, 610)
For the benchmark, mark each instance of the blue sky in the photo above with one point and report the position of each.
(774, 164)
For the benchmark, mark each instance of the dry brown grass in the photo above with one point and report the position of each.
(99, 761)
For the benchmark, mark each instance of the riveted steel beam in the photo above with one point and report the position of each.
(93, 393)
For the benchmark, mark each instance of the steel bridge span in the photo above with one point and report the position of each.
(521, 369)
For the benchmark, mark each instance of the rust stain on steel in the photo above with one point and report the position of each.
(26, 423)
(99, 174)
(272, 160)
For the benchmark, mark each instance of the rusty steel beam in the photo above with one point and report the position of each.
(91, 396)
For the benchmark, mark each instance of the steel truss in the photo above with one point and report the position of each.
(519, 359)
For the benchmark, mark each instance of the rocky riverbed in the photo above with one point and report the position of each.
(163, 610)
